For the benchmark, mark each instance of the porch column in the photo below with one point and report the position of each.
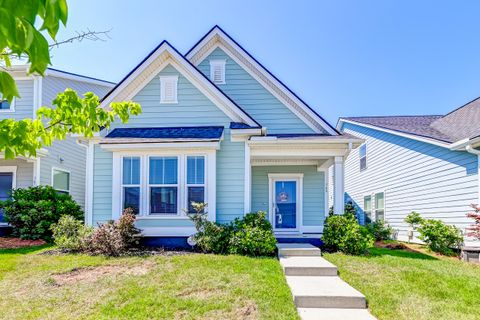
(338, 186)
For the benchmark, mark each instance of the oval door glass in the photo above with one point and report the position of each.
(285, 204)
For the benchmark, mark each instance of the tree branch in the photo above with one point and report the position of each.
(84, 35)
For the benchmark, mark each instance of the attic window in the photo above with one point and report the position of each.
(217, 71)
(168, 89)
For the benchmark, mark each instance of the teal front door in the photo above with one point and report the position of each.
(285, 204)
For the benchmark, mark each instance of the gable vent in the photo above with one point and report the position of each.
(217, 71)
(168, 89)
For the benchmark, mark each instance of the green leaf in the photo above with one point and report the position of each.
(8, 89)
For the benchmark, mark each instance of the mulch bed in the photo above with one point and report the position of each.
(13, 243)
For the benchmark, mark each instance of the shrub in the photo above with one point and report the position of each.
(440, 237)
(380, 231)
(32, 211)
(344, 233)
(71, 234)
(252, 236)
(414, 220)
(115, 238)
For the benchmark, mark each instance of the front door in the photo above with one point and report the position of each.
(285, 204)
(6, 184)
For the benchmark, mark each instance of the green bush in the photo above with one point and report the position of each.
(380, 231)
(251, 235)
(440, 237)
(344, 233)
(32, 211)
(71, 234)
(414, 219)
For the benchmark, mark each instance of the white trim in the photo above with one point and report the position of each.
(11, 106)
(37, 94)
(13, 170)
(339, 185)
(89, 182)
(397, 133)
(217, 63)
(69, 178)
(168, 231)
(248, 180)
(284, 162)
(164, 55)
(220, 39)
(36, 172)
(312, 229)
(298, 178)
(164, 80)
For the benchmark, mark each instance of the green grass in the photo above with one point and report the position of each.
(193, 286)
(400, 284)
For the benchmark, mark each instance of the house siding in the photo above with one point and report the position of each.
(24, 174)
(193, 109)
(24, 104)
(251, 96)
(67, 154)
(313, 191)
(415, 176)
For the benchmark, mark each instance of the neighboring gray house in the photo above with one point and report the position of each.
(427, 164)
(61, 165)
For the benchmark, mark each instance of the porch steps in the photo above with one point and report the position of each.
(317, 290)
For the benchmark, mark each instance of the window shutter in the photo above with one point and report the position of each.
(217, 71)
(168, 89)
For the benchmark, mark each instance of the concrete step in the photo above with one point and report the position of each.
(334, 314)
(307, 266)
(324, 292)
(297, 249)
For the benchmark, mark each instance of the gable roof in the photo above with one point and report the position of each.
(154, 62)
(216, 37)
(457, 127)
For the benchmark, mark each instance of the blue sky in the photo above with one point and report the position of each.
(344, 58)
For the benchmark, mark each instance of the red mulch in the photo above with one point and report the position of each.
(9, 243)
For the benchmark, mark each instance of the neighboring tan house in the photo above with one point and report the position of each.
(428, 164)
(61, 165)
(216, 127)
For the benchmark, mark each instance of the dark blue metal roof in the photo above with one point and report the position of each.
(240, 125)
(213, 133)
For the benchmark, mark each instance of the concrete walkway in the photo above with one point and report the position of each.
(317, 290)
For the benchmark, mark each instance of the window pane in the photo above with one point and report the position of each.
(163, 200)
(367, 203)
(61, 180)
(196, 170)
(131, 170)
(4, 105)
(379, 215)
(379, 201)
(6, 180)
(363, 150)
(195, 194)
(363, 163)
(163, 170)
(131, 198)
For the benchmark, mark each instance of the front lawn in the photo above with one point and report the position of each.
(189, 286)
(400, 284)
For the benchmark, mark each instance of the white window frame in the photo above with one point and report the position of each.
(363, 145)
(12, 106)
(371, 206)
(187, 185)
(374, 206)
(210, 181)
(163, 82)
(69, 179)
(122, 185)
(149, 186)
(217, 63)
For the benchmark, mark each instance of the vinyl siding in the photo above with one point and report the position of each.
(23, 105)
(415, 176)
(73, 155)
(24, 171)
(193, 109)
(313, 191)
(251, 96)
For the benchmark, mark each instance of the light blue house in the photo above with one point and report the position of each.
(62, 165)
(216, 127)
(427, 164)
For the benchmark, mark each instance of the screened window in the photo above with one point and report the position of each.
(363, 157)
(61, 180)
(195, 180)
(163, 185)
(380, 207)
(131, 183)
(168, 89)
(367, 208)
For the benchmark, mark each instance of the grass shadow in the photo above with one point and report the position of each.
(24, 250)
(401, 253)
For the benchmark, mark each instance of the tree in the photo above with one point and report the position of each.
(19, 37)
(474, 229)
